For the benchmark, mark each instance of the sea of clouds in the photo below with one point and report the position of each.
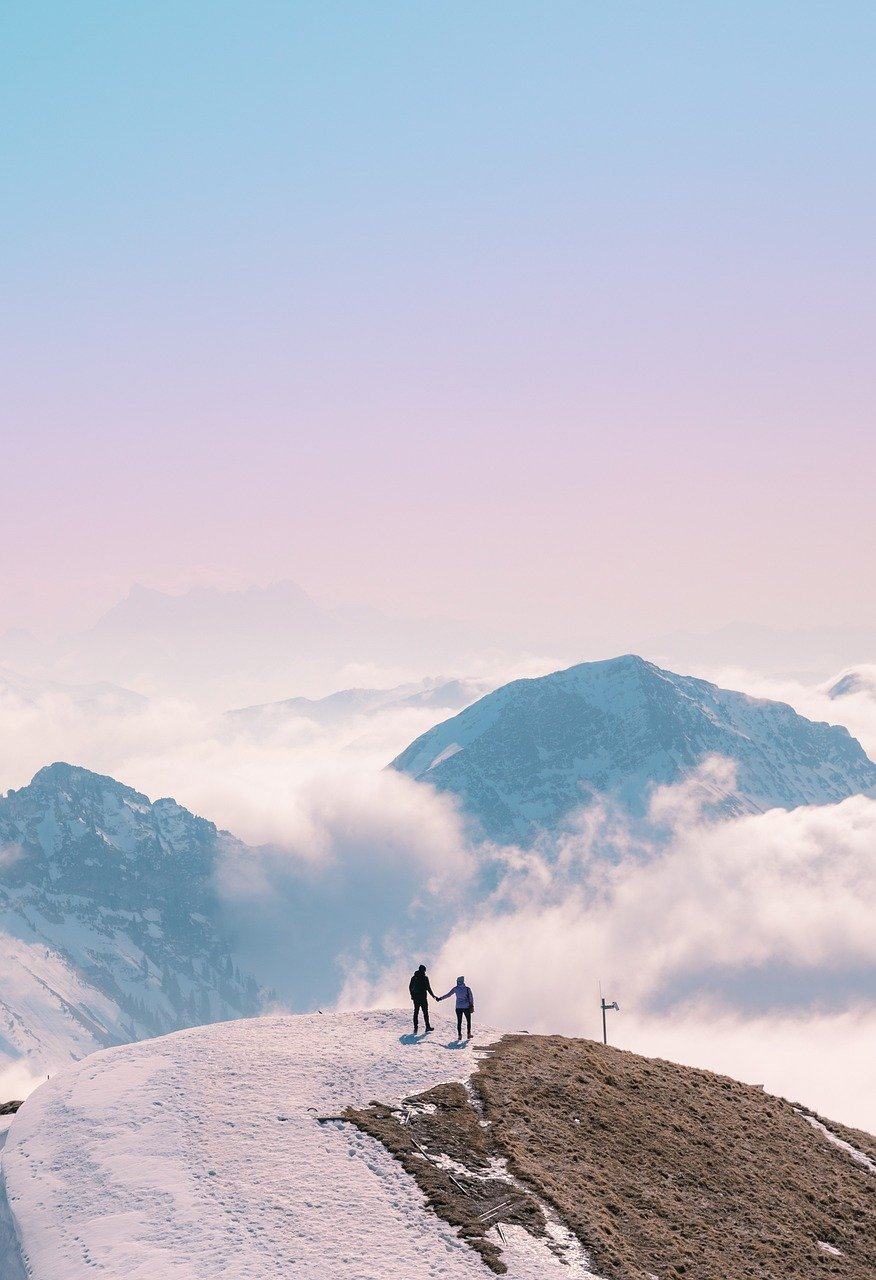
(745, 945)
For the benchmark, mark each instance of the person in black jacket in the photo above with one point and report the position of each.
(420, 988)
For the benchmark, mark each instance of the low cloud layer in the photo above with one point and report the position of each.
(707, 939)
(252, 784)
(796, 890)
(372, 865)
(746, 945)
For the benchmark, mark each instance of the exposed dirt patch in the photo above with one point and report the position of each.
(439, 1139)
(662, 1172)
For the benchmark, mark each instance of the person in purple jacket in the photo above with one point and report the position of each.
(464, 1005)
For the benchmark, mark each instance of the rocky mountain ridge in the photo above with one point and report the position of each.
(110, 925)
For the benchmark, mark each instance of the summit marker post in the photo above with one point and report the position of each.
(606, 1005)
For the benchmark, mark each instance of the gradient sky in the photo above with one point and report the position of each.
(499, 310)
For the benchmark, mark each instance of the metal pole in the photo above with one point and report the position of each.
(606, 1004)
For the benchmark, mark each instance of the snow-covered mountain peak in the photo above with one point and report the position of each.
(523, 757)
(66, 809)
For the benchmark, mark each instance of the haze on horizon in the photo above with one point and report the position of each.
(513, 315)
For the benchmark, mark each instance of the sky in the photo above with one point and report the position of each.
(497, 311)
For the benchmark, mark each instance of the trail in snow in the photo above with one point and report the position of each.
(200, 1155)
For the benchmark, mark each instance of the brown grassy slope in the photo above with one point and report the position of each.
(669, 1172)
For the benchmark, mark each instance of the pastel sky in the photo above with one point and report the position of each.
(490, 309)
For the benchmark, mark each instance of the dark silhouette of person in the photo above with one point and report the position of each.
(464, 1005)
(420, 988)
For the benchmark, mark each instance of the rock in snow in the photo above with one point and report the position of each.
(200, 1156)
(522, 758)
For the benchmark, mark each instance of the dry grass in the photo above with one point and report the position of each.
(668, 1172)
(661, 1171)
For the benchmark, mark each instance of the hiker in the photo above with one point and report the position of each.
(464, 1005)
(420, 988)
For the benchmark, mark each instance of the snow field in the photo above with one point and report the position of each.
(200, 1155)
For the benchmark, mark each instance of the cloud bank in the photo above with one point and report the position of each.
(717, 942)
(746, 945)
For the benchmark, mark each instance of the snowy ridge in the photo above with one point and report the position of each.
(522, 758)
(200, 1155)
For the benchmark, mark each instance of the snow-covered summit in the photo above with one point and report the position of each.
(340, 1145)
(523, 757)
(110, 929)
(200, 1155)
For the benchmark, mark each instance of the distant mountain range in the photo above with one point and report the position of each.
(110, 928)
(522, 758)
(94, 699)
(255, 642)
(338, 708)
